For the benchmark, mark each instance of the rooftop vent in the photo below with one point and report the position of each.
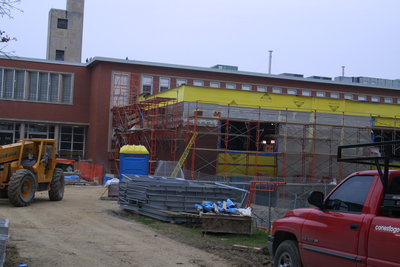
(320, 78)
(225, 67)
(292, 75)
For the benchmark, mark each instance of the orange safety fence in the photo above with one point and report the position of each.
(265, 186)
(91, 171)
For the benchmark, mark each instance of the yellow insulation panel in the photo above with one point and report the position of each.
(239, 164)
(385, 114)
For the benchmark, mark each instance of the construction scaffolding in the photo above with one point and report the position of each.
(279, 155)
(231, 143)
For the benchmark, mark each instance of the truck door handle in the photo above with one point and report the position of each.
(354, 227)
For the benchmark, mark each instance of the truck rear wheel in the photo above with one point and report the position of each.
(287, 255)
(56, 192)
(22, 188)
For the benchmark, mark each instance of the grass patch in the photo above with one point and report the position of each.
(258, 238)
(144, 220)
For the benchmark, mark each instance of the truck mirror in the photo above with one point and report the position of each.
(316, 198)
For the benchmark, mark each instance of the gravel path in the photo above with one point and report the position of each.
(80, 231)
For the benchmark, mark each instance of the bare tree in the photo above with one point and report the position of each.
(6, 8)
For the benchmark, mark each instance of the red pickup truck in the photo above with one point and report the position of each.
(357, 224)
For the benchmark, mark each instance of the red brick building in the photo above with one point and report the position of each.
(72, 102)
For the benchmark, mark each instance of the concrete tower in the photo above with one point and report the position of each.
(64, 36)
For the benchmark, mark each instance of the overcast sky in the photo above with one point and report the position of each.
(310, 37)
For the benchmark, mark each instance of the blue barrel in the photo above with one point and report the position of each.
(133, 160)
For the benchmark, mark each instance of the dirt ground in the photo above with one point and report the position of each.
(82, 230)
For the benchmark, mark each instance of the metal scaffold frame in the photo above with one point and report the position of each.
(151, 122)
(304, 148)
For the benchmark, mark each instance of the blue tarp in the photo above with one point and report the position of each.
(209, 206)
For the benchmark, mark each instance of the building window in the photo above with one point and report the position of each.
(306, 92)
(39, 131)
(214, 84)
(388, 100)
(292, 91)
(35, 86)
(246, 87)
(9, 133)
(8, 84)
(334, 95)
(62, 23)
(261, 88)
(198, 83)
(66, 89)
(375, 99)
(320, 94)
(362, 98)
(19, 84)
(276, 90)
(120, 89)
(180, 82)
(348, 96)
(60, 55)
(53, 87)
(43, 86)
(164, 84)
(230, 86)
(147, 85)
(72, 142)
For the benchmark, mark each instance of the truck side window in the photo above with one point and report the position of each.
(394, 187)
(350, 196)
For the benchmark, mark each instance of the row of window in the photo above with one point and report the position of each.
(165, 83)
(71, 139)
(35, 86)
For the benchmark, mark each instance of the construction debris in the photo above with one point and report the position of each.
(171, 199)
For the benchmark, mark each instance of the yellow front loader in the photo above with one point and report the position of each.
(29, 166)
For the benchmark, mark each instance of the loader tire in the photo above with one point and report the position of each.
(21, 188)
(56, 192)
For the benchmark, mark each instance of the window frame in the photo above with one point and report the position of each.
(160, 86)
(62, 23)
(331, 204)
(215, 84)
(362, 98)
(246, 86)
(375, 99)
(230, 86)
(348, 96)
(334, 95)
(277, 90)
(181, 81)
(143, 83)
(29, 85)
(59, 55)
(388, 100)
(198, 83)
(262, 88)
(305, 92)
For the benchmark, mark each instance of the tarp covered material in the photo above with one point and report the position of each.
(227, 206)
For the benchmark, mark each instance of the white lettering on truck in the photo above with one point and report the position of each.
(387, 229)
